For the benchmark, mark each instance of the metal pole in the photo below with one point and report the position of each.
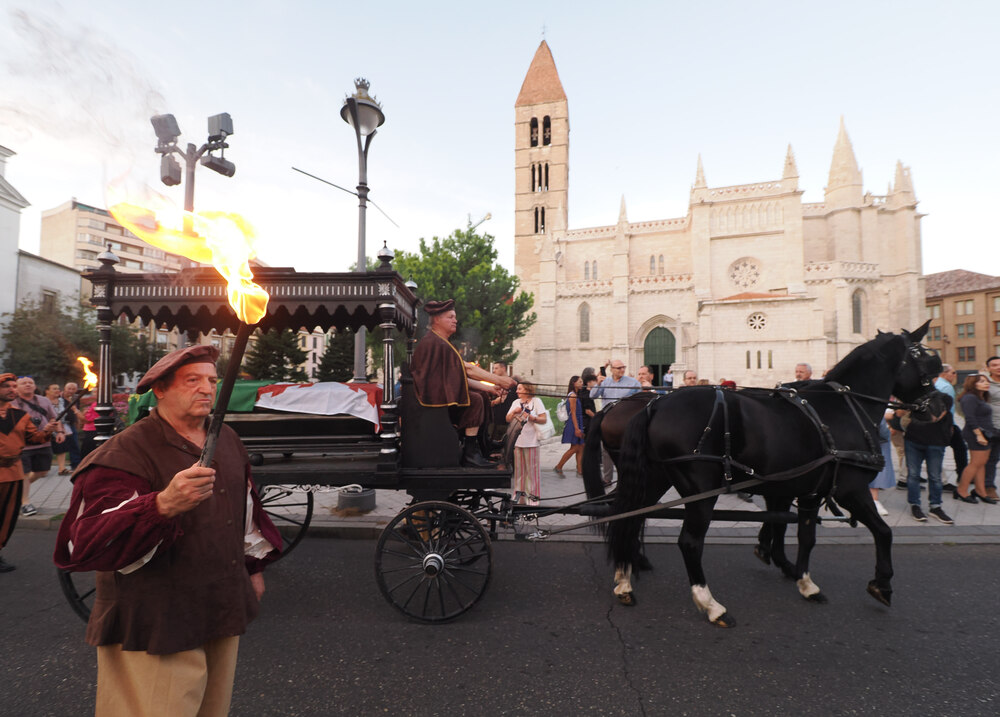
(190, 161)
(360, 364)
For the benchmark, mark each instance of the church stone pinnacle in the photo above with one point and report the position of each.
(791, 170)
(699, 177)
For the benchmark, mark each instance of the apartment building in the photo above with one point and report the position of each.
(964, 309)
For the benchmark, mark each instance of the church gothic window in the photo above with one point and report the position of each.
(661, 263)
(652, 265)
(584, 323)
(539, 220)
(857, 311)
(534, 131)
(593, 270)
(545, 184)
(546, 131)
(586, 271)
(757, 321)
(745, 273)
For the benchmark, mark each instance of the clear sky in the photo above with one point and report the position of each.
(650, 86)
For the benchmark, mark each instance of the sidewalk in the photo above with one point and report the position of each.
(979, 523)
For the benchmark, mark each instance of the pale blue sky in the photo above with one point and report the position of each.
(650, 86)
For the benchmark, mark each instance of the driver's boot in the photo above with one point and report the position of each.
(472, 456)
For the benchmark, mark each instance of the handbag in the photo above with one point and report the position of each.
(547, 429)
(562, 410)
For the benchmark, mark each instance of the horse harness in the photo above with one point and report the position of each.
(869, 459)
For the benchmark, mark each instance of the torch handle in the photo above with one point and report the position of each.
(222, 401)
(70, 405)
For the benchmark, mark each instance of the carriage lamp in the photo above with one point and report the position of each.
(364, 113)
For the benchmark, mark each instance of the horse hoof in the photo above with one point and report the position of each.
(883, 596)
(724, 620)
(818, 598)
(627, 599)
(763, 556)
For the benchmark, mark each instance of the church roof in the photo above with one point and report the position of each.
(958, 281)
(750, 295)
(541, 84)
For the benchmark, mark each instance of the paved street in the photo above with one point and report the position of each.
(548, 638)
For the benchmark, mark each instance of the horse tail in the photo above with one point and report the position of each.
(623, 536)
(593, 482)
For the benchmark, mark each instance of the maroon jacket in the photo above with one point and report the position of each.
(196, 586)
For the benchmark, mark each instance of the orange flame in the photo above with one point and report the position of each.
(89, 377)
(222, 239)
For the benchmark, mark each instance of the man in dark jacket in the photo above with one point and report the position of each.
(924, 442)
(178, 547)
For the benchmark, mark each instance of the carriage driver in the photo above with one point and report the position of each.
(442, 378)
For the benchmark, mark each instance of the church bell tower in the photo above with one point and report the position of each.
(541, 183)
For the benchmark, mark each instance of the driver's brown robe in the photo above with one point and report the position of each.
(439, 380)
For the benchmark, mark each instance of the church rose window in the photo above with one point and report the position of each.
(745, 273)
(757, 321)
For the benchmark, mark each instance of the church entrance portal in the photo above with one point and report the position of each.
(659, 351)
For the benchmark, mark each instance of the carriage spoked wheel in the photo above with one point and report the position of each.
(290, 510)
(80, 590)
(433, 561)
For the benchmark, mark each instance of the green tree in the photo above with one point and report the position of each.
(337, 362)
(276, 356)
(492, 312)
(44, 342)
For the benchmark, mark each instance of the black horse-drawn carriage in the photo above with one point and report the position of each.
(434, 559)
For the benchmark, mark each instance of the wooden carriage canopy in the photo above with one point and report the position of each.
(196, 300)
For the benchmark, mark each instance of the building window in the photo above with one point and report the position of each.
(934, 312)
(857, 311)
(934, 333)
(757, 321)
(586, 271)
(758, 359)
(584, 323)
(966, 353)
(539, 220)
(546, 130)
(652, 265)
(770, 359)
(534, 181)
(748, 359)
(545, 184)
(48, 302)
(963, 308)
(534, 131)
(996, 303)
(593, 270)
(996, 328)
(661, 263)
(966, 331)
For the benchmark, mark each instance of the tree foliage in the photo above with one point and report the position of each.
(45, 342)
(276, 356)
(337, 362)
(492, 312)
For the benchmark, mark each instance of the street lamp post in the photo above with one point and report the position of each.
(364, 114)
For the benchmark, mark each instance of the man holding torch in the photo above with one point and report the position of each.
(16, 429)
(178, 547)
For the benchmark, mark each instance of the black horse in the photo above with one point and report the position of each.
(805, 443)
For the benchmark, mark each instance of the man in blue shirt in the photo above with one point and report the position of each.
(945, 383)
(611, 390)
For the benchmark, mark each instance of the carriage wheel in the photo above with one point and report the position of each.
(79, 589)
(433, 561)
(290, 511)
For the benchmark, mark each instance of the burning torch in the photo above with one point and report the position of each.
(224, 240)
(89, 384)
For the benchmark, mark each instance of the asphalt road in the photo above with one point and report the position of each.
(548, 638)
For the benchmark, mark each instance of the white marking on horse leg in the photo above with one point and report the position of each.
(623, 580)
(704, 601)
(807, 588)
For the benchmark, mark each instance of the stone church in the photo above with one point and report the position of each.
(749, 283)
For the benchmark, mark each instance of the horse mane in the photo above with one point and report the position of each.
(860, 354)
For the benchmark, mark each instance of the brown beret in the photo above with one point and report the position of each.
(173, 361)
(4, 377)
(433, 308)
